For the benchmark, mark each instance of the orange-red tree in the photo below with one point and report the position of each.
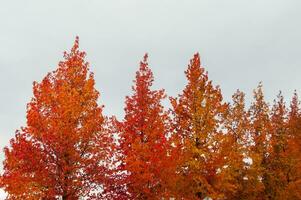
(282, 180)
(143, 138)
(293, 177)
(260, 144)
(233, 181)
(197, 133)
(68, 149)
(64, 149)
(276, 168)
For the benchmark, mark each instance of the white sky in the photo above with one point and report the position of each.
(241, 42)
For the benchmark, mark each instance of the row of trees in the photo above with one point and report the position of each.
(201, 147)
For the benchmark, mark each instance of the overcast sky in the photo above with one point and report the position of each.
(241, 42)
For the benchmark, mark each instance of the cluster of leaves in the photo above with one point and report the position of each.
(200, 148)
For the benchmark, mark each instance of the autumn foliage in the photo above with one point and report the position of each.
(197, 126)
(62, 150)
(200, 147)
(143, 138)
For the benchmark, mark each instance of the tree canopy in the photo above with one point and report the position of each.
(199, 147)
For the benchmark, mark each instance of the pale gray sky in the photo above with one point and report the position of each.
(241, 42)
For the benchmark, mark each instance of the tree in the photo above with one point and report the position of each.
(233, 182)
(64, 149)
(258, 150)
(293, 176)
(276, 168)
(201, 148)
(197, 128)
(143, 138)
